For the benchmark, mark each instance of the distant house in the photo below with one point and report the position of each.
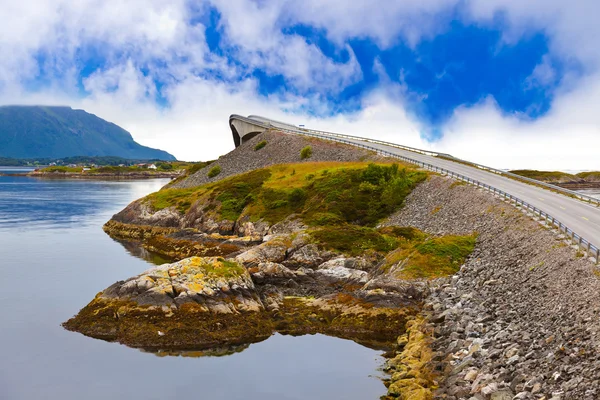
(85, 169)
(152, 166)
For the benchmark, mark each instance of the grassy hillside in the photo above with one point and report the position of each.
(323, 193)
(56, 132)
(546, 176)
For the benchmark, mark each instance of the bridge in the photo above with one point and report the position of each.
(575, 215)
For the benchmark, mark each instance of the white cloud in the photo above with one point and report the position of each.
(157, 37)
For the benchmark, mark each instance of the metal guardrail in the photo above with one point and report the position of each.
(583, 244)
(589, 199)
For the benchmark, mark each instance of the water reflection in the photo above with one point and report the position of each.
(55, 258)
(33, 203)
(136, 249)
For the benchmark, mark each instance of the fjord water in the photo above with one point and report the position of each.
(55, 258)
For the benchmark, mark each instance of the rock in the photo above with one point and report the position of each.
(471, 375)
(267, 271)
(308, 256)
(272, 251)
(335, 270)
(489, 389)
(503, 394)
(183, 300)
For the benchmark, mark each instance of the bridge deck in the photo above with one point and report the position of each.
(580, 217)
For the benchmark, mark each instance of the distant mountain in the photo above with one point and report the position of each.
(58, 132)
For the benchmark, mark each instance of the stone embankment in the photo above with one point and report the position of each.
(280, 148)
(521, 318)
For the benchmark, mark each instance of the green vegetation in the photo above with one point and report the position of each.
(260, 145)
(56, 132)
(124, 169)
(421, 257)
(61, 169)
(590, 176)
(337, 193)
(428, 258)
(306, 152)
(546, 176)
(355, 240)
(214, 171)
(219, 267)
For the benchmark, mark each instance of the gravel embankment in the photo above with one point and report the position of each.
(521, 318)
(281, 148)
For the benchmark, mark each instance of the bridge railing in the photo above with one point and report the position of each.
(583, 244)
(571, 193)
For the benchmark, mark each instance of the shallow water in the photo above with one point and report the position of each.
(55, 258)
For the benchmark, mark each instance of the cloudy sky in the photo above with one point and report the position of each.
(509, 83)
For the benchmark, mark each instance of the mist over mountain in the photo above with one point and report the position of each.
(56, 132)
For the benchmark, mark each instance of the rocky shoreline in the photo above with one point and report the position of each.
(469, 296)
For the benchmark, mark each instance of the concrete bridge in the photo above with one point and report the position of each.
(575, 215)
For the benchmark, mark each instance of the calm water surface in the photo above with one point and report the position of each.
(55, 258)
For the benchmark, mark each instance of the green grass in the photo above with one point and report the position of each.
(421, 257)
(354, 240)
(429, 258)
(260, 145)
(337, 193)
(589, 176)
(214, 171)
(306, 152)
(545, 176)
(62, 169)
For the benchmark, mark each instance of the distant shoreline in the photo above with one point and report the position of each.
(101, 176)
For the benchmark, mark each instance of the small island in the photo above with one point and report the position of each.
(131, 170)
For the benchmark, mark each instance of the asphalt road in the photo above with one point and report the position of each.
(580, 217)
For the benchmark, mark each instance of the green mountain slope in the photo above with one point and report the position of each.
(56, 132)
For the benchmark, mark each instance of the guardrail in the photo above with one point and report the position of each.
(583, 244)
(589, 199)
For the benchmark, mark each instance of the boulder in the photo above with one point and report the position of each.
(197, 302)
(336, 271)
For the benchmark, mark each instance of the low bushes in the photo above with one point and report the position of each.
(306, 153)
(260, 145)
(214, 171)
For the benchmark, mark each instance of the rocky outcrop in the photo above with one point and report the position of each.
(200, 303)
(196, 302)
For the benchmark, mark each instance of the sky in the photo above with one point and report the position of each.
(506, 83)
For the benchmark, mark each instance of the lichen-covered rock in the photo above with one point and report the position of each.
(308, 256)
(268, 271)
(196, 302)
(274, 250)
(217, 284)
(140, 213)
(411, 369)
(245, 227)
(335, 270)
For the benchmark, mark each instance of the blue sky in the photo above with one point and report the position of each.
(433, 73)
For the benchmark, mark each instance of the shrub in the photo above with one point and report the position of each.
(260, 145)
(165, 166)
(306, 153)
(196, 167)
(214, 171)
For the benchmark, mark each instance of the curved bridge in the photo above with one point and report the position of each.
(575, 215)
